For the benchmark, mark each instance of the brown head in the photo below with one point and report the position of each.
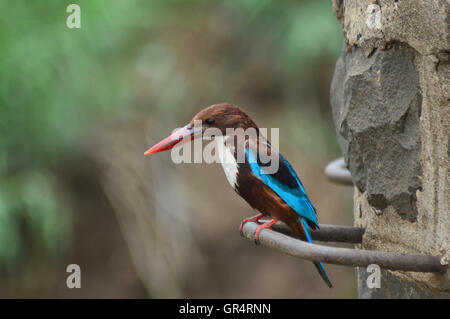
(219, 116)
(223, 116)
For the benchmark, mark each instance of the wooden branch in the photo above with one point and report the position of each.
(345, 256)
(337, 172)
(328, 233)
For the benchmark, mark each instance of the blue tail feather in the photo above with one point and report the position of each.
(319, 265)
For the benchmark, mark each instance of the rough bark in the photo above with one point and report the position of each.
(390, 97)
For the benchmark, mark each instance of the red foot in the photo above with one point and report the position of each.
(251, 219)
(269, 224)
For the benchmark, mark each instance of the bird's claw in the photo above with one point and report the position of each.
(254, 219)
(260, 228)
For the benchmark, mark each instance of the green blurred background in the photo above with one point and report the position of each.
(78, 107)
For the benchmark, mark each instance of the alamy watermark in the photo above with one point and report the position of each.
(74, 279)
(248, 145)
(74, 18)
(374, 279)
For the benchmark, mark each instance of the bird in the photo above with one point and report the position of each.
(278, 194)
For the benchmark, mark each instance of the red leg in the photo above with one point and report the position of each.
(269, 224)
(255, 218)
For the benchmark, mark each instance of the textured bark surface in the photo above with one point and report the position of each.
(390, 96)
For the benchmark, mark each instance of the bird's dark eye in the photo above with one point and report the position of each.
(210, 121)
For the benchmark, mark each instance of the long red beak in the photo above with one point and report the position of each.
(182, 136)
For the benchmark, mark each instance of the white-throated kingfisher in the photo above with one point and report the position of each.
(278, 194)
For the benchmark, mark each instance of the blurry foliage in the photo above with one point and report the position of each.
(56, 83)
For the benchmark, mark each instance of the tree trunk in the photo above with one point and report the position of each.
(390, 97)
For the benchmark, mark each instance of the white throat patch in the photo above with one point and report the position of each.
(226, 157)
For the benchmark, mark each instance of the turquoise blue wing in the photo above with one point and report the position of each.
(285, 183)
